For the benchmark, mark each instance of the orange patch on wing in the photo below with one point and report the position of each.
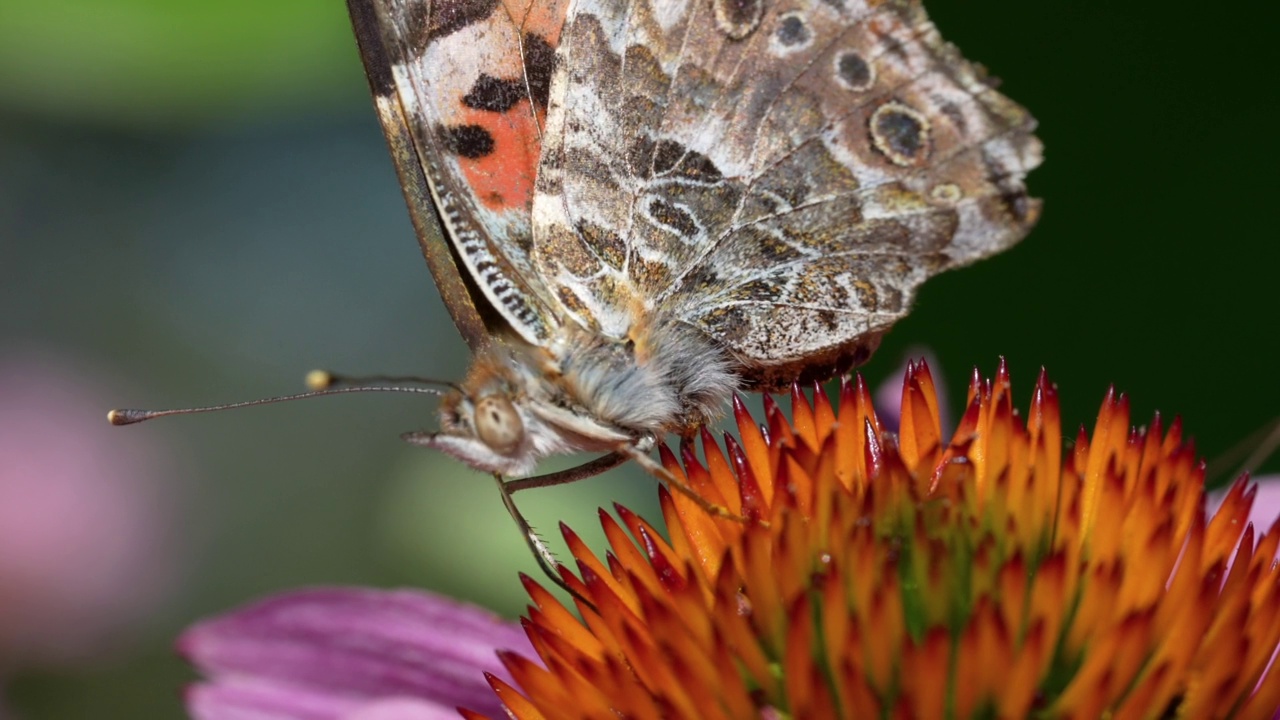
(540, 18)
(503, 180)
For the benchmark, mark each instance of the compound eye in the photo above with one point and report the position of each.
(498, 424)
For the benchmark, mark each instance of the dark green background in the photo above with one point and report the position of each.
(197, 202)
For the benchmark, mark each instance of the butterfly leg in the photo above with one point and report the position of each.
(601, 464)
(638, 452)
(546, 559)
(541, 552)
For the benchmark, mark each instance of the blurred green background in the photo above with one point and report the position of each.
(196, 206)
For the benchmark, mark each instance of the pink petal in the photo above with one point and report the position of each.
(255, 699)
(245, 699)
(341, 648)
(87, 512)
(888, 394)
(1266, 503)
(402, 709)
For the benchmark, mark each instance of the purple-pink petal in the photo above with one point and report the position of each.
(328, 653)
(1266, 502)
(888, 394)
(402, 709)
(250, 699)
(257, 699)
(87, 513)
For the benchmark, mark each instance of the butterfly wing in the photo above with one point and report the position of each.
(781, 175)
(461, 89)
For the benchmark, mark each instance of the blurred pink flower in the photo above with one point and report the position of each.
(84, 518)
(1266, 503)
(348, 654)
(1266, 506)
(888, 395)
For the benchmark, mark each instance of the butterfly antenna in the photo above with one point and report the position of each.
(326, 380)
(130, 417)
(1247, 455)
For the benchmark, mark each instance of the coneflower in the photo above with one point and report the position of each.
(865, 574)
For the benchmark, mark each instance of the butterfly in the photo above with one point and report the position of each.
(634, 208)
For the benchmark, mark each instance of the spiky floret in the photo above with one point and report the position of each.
(996, 574)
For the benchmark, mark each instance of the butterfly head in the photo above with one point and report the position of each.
(517, 406)
(486, 432)
(486, 423)
(504, 418)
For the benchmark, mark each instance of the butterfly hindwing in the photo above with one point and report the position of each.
(781, 175)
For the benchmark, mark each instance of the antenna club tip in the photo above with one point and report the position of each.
(122, 417)
(319, 380)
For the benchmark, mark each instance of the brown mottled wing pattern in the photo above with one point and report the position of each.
(782, 174)
(470, 81)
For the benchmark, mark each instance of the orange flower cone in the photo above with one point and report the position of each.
(1000, 574)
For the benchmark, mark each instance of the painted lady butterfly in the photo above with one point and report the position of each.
(647, 204)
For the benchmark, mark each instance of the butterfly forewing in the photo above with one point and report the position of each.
(371, 30)
(475, 120)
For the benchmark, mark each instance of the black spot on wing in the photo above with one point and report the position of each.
(792, 31)
(468, 141)
(493, 94)
(853, 71)
(900, 132)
